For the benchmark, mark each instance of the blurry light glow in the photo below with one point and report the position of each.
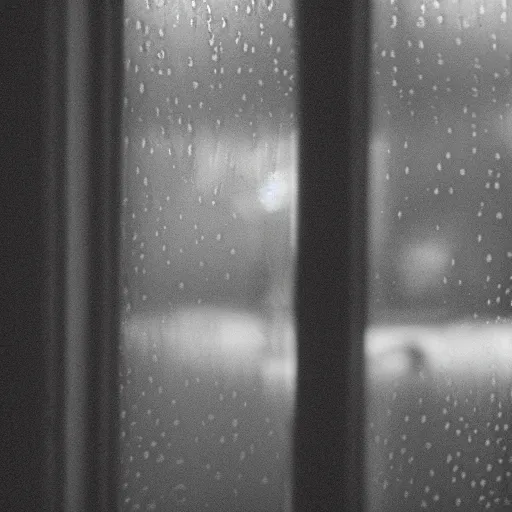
(274, 194)
(424, 264)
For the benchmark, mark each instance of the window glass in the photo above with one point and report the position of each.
(209, 213)
(208, 226)
(439, 343)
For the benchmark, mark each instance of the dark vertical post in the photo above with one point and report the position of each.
(54, 253)
(331, 291)
(93, 194)
(61, 118)
(28, 416)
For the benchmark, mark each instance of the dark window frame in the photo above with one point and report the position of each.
(61, 205)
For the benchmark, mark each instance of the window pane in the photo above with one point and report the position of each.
(439, 341)
(210, 164)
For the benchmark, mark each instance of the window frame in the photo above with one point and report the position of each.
(61, 201)
(329, 441)
(62, 312)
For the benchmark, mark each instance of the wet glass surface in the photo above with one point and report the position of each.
(209, 199)
(439, 345)
(209, 215)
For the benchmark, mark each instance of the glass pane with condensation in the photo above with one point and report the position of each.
(208, 226)
(439, 341)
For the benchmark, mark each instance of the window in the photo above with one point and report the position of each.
(209, 149)
(44, 303)
(210, 170)
(68, 459)
(210, 100)
(438, 373)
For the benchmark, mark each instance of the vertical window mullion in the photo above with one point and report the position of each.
(331, 268)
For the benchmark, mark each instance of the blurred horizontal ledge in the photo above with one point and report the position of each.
(236, 343)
